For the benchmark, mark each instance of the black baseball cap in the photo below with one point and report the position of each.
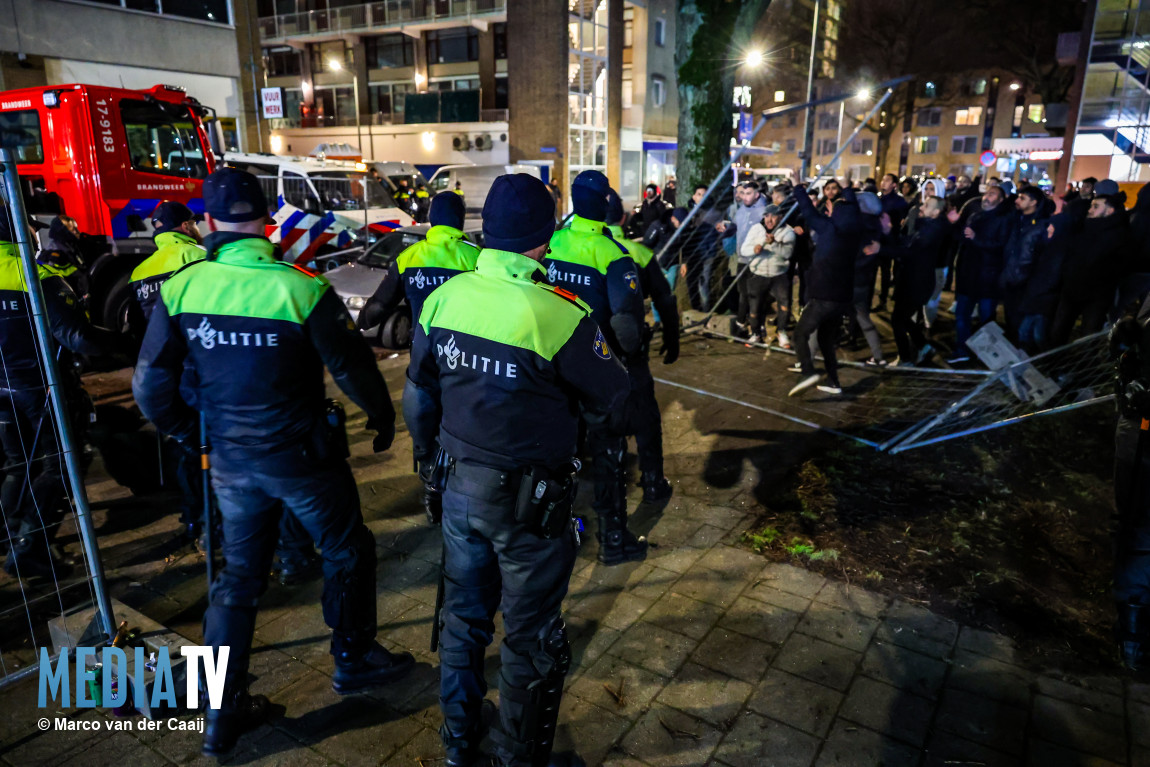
(234, 196)
(169, 215)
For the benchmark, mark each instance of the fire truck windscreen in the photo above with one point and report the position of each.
(162, 139)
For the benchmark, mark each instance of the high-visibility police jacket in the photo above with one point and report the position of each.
(173, 250)
(417, 271)
(586, 262)
(66, 319)
(500, 364)
(651, 277)
(258, 333)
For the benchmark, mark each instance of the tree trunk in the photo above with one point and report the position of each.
(711, 40)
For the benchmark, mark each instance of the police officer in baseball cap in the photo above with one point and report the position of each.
(257, 333)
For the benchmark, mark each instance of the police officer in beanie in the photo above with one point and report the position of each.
(178, 242)
(642, 410)
(417, 271)
(585, 261)
(500, 366)
(257, 333)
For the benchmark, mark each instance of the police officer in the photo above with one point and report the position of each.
(500, 365)
(417, 271)
(32, 495)
(178, 242)
(1130, 342)
(258, 332)
(582, 260)
(62, 254)
(459, 189)
(642, 409)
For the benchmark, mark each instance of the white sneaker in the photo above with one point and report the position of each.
(827, 388)
(804, 384)
(755, 339)
(783, 340)
(795, 368)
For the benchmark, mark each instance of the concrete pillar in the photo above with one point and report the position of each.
(486, 68)
(538, 57)
(614, 90)
(251, 76)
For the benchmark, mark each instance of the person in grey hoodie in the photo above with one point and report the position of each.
(768, 249)
(748, 211)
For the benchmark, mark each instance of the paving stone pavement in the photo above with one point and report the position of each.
(705, 654)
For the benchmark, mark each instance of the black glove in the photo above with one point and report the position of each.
(670, 347)
(1124, 334)
(385, 434)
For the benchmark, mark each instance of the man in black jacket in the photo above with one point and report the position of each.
(1019, 254)
(979, 266)
(1040, 296)
(830, 284)
(914, 282)
(1091, 269)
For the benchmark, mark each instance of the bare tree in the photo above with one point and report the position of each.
(712, 37)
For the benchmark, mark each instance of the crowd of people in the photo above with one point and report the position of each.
(812, 265)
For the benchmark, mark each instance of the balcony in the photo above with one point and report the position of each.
(409, 16)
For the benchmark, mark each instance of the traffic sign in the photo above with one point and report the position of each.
(987, 159)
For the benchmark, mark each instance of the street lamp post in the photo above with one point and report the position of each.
(335, 65)
(809, 115)
(861, 95)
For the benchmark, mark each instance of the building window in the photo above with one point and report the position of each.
(501, 92)
(452, 46)
(282, 61)
(780, 97)
(499, 40)
(926, 144)
(790, 145)
(1036, 113)
(660, 32)
(658, 90)
(324, 55)
(968, 116)
(862, 146)
(978, 87)
(1019, 112)
(387, 51)
(628, 85)
(827, 146)
(379, 99)
(828, 121)
(792, 119)
(964, 145)
(204, 10)
(628, 27)
(930, 90)
(927, 118)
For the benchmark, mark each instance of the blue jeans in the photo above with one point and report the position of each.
(325, 501)
(672, 274)
(491, 561)
(963, 316)
(1032, 332)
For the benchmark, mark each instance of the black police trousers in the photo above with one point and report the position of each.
(32, 495)
(607, 441)
(324, 499)
(492, 562)
(1132, 498)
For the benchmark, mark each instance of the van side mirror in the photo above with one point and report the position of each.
(311, 205)
(135, 223)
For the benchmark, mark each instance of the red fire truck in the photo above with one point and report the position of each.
(107, 157)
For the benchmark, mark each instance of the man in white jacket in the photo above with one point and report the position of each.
(768, 249)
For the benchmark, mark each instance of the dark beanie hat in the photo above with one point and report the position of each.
(614, 207)
(447, 209)
(518, 215)
(170, 215)
(589, 195)
(234, 196)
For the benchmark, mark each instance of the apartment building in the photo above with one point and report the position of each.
(649, 97)
(201, 46)
(951, 123)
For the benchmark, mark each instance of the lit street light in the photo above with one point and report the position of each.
(754, 59)
(335, 65)
(861, 94)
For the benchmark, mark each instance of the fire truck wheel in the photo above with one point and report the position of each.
(118, 306)
(396, 331)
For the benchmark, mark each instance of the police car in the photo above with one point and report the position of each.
(356, 282)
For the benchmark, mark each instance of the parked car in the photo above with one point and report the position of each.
(355, 282)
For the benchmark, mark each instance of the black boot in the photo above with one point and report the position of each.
(655, 486)
(526, 734)
(359, 669)
(297, 568)
(463, 751)
(32, 557)
(239, 713)
(1132, 633)
(617, 544)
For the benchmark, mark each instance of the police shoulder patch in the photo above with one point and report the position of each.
(602, 350)
(632, 280)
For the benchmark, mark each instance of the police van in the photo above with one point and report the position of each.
(319, 205)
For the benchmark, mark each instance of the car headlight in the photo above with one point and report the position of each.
(356, 302)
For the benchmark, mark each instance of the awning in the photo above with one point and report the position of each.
(660, 146)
